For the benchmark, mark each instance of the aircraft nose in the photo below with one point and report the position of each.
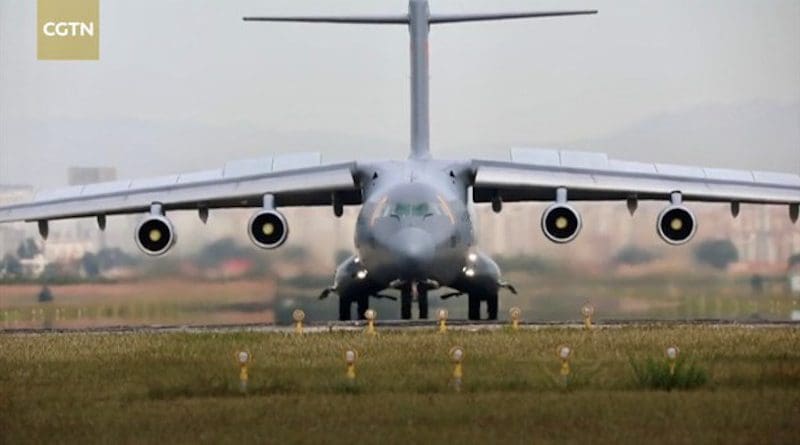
(414, 248)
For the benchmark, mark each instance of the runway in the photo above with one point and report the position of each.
(398, 325)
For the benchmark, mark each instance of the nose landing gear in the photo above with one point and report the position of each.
(410, 293)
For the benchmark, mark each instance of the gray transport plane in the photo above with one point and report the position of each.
(414, 231)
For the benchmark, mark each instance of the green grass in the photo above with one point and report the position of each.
(184, 388)
(657, 374)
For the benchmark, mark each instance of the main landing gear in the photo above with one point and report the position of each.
(475, 300)
(407, 296)
(346, 303)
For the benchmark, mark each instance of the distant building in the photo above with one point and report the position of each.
(794, 278)
(11, 235)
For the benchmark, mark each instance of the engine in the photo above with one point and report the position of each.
(676, 224)
(155, 235)
(268, 229)
(561, 223)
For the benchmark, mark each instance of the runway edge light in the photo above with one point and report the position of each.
(587, 311)
(298, 316)
(564, 353)
(672, 354)
(515, 314)
(243, 358)
(441, 314)
(370, 315)
(350, 357)
(457, 357)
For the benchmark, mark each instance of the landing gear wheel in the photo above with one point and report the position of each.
(422, 301)
(346, 304)
(474, 312)
(491, 305)
(362, 304)
(405, 305)
(344, 307)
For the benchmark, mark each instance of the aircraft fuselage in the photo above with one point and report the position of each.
(414, 225)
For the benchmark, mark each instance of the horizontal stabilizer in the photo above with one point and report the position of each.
(369, 19)
(456, 18)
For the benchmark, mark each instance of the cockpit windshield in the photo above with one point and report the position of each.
(404, 209)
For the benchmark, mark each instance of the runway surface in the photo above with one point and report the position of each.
(343, 326)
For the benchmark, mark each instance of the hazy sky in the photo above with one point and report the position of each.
(186, 84)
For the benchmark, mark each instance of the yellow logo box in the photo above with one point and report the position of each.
(68, 29)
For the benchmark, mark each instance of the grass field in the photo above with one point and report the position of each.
(184, 388)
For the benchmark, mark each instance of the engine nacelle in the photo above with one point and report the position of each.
(676, 225)
(155, 235)
(561, 223)
(268, 229)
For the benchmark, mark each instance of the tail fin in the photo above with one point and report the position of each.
(418, 20)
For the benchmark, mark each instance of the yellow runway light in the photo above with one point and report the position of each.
(350, 357)
(587, 310)
(298, 316)
(515, 314)
(457, 357)
(370, 315)
(441, 314)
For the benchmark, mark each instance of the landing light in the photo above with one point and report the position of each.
(470, 272)
(472, 257)
(154, 235)
(361, 274)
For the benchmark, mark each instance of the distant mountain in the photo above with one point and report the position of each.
(753, 136)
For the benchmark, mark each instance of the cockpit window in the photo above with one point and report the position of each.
(404, 209)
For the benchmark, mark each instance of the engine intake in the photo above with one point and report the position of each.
(268, 229)
(561, 223)
(676, 225)
(155, 235)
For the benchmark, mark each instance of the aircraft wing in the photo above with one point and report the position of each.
(535, 175)
(294, 180)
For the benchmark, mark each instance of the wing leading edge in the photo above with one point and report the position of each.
(536, 174)
(294, 180)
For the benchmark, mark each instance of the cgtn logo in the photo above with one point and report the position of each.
(68, 29)
(64, 29)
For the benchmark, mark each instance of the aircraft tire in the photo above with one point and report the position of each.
(405, 305)
(362, 304)
(474, 310)
(491, 305)
(422, 302)
(344, 308)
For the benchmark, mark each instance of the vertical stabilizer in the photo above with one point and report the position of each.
(419, 20)
(418, 15)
